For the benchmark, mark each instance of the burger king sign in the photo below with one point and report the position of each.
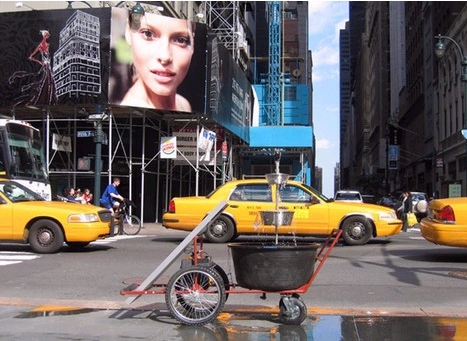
(168, 147)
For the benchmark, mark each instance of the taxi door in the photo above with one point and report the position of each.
(6, 222)
(311, 216)
(245, 203)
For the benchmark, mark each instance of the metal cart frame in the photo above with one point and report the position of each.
(197, 292)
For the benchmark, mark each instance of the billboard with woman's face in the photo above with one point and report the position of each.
(158, 62)
(101, 56)
(68, 57)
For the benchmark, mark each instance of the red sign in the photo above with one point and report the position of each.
(224, 150)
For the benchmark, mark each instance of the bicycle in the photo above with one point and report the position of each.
(129, 224)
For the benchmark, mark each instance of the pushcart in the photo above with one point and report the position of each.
(197, 292)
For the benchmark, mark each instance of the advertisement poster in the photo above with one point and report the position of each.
(156, 59)
(56, 57)
(72, 57)
(168, 147)
(231, 98)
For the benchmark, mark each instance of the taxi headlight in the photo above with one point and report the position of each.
(387, 216)
(83, 218)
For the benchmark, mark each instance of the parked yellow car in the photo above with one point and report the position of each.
(27, 218)
(314, 214)
(446, 222)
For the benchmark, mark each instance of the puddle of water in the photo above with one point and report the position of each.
(330, 328)
(257, 325)
(54, 311)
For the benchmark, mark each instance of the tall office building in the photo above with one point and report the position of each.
(77, 62)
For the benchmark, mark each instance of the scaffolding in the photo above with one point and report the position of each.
(223, 19)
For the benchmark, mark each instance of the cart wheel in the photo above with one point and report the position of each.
(224, 277)
(292, 310)
(195, 295)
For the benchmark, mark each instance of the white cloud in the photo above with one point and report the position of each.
(321, 74)
(341, 25)
(323, 144)
(326, 55)
(324, 42)
(323, 14)
(332, 108)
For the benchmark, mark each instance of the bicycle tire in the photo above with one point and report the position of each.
(131, 225)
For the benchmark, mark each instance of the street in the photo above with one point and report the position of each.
(400, 276)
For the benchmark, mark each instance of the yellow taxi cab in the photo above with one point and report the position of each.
(313, 213)
(45, 225)
(446, 222)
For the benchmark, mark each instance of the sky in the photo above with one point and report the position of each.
(326, 19)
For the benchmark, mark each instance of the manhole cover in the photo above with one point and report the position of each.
(458, 274)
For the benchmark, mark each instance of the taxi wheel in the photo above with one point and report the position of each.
(45, 236)
(221, 230)
(356, 231)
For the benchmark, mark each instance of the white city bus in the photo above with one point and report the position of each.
(22, 156)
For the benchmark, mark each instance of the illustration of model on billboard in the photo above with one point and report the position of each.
(40, 89)
(162, 49)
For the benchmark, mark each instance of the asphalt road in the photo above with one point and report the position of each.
(399, 276)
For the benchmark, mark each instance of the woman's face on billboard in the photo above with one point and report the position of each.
(162, 49)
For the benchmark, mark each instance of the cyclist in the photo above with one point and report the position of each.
(111, 198)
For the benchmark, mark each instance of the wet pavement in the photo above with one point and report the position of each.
(87, 320)
(233, 324)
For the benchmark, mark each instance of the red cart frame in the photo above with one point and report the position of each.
(196, 293)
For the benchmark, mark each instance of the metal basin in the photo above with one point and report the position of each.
(273, 267)
(276, 218)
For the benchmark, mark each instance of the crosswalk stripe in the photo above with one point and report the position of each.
(17, 255)
(8, 262)
(9, 257)
(115, 238)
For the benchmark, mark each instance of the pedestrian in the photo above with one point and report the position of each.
(79, 195)
(70, 195)
(111, 198)
(162, 49)
(407, 208)
(87, 196)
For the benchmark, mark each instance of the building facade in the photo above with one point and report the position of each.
(408, 105)
(90, 66)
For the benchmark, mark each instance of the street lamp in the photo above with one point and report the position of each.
(440, 49)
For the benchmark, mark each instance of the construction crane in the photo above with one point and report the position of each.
(274, 98)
